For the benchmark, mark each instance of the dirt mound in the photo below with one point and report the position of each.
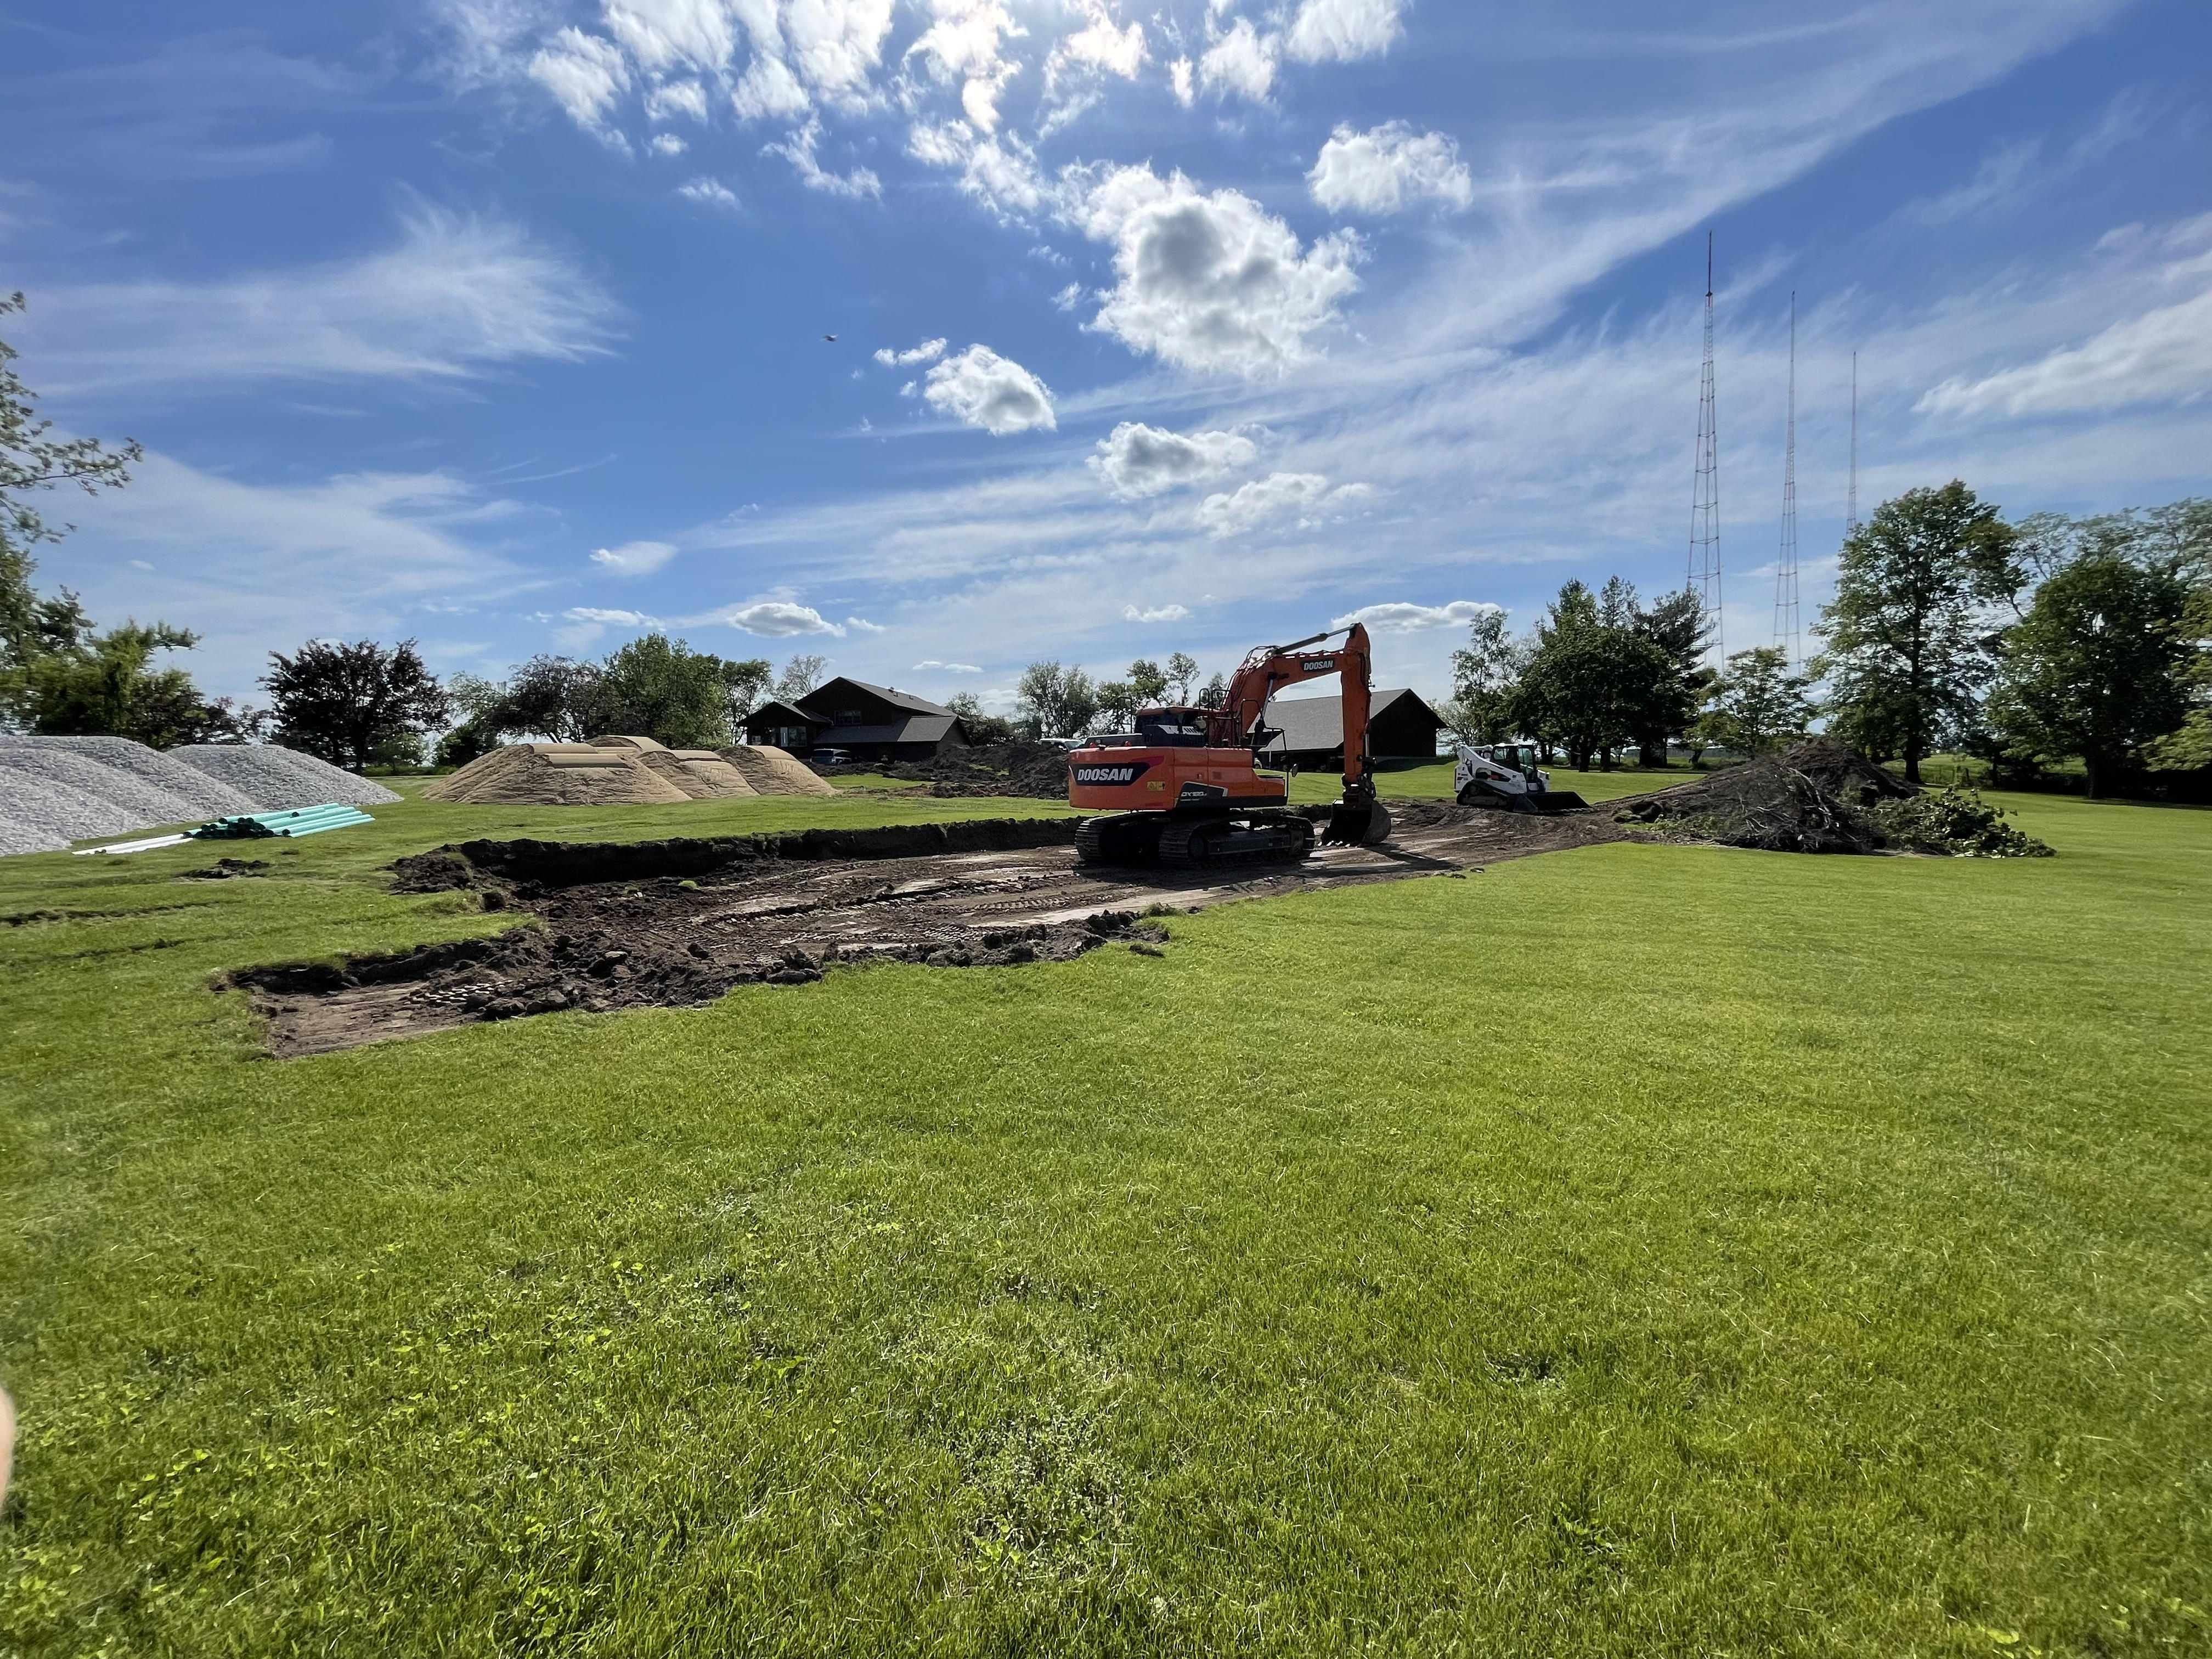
(773, 771)
(617, 740)
(276, 779)
(1038, 771)
(556, 774)
(700, 773)
(1813, 799)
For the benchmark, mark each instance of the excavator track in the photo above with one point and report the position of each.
(1211, 843)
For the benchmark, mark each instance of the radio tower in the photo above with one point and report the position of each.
(1705, 579)
(1788, 633)
(1851, 501)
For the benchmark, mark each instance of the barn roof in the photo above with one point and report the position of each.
(1312, 723)
(905, 700)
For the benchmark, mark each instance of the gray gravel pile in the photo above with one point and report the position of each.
(208, 796)
(70, 796)
(279, 779)
(15, 837)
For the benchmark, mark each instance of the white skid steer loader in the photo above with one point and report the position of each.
(1505, 775)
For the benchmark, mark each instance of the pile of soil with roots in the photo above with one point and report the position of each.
(1816, 798)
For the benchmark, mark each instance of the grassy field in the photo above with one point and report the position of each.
(1646, 1250)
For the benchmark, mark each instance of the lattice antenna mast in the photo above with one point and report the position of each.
(1705, 577)
(1851, 501)
(1787, 628)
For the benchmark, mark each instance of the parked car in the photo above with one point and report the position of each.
(831, 757)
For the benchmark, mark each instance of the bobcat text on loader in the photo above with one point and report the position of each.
(1185, 788)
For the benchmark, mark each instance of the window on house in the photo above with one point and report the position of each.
(848, 717)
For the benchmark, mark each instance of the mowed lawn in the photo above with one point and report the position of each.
(1645, 1250)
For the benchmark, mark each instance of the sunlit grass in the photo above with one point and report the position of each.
(1646, 1250)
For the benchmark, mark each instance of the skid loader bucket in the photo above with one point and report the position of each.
(1556, 800)
(1357, 823)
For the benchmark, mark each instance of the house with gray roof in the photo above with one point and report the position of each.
(870, 722)
(1400, 726)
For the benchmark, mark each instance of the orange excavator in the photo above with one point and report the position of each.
(1185, 789)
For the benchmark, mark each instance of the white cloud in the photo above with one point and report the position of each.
(1211, 281)
(798, 150)
(1400, 617)
(1241, 61)
(635, 558)
(1388, 170)
(1305, 495)
(837, 44)
(769, 91)
(458, 295)
(1343, 29)
(2162, 355)
(1099, 47)
(927, 352)
(1069, 297)
(864, 625)
(999, 172)
(589, 613)
(1137, 460)
(947, 667)
(777, 619)
(1165, 613)
(962, 45)
(1179, 79)
(585, 74)
(685, 97)
(709, 193)
(667, 144)
(662, 33)
(983, 389)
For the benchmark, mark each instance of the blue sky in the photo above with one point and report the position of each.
(499, 324)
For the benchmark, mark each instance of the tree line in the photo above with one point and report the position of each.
(2032, 645)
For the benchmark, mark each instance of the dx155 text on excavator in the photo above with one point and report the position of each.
(1186, 789)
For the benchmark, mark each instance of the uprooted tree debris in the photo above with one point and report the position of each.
(1823, 796)
(1036, 770)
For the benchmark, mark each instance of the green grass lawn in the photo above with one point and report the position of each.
(1645, 1249)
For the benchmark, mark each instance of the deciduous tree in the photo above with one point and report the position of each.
(1181, 675)
(1055, 701)
(354, 705)
(1911, 640)
(1758, 705)
(2095, 669)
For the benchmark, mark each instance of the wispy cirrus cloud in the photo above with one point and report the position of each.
(459, 296)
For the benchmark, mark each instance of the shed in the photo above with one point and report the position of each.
(1400, 726)
(880, 723)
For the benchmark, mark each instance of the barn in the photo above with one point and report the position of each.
(1400, 726)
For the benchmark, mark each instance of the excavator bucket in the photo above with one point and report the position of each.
(1357, 823)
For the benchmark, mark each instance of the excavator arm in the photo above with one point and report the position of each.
(1357, 817)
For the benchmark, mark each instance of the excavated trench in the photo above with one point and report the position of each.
(678, 923)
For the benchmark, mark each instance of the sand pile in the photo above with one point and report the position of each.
(276, 779)
(700, 773)
(773, 771)
(619, 741)
(65, 794)
(209, 797)
(556, 774)
(1813, 799)
(1037, 770)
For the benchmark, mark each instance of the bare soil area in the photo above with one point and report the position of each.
(676, 923)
